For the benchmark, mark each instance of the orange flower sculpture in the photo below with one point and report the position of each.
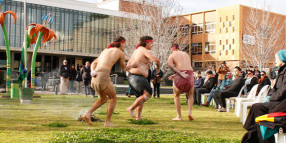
(40, 32)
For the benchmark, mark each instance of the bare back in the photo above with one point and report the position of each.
(180, 60)
(139, 56)
(109, 57)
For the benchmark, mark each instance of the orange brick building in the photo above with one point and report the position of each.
(217, 35)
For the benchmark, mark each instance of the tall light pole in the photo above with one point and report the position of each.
(25, 44)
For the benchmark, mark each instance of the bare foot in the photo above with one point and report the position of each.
(177, 119)
(109, 125)
(190, 118)
(131, 112)
(87, 119)
(139, 118)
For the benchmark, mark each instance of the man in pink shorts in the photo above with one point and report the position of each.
(180, 63)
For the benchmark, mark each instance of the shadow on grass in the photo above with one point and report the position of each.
(56, 124)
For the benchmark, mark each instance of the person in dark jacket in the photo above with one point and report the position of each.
(199, 82)
(78, 80)
(86, 77)
(206, 88)
(64, 74)
(250, 81)
(44, 80)
(276, 103)
(264, 80)
(232, 91)
(72, 75)
(157, 74)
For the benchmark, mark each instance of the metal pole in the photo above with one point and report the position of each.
(25, 44)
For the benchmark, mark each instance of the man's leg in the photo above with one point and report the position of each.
(217, 98)
(223, 96)
(95, 105)
(139, 101)
(154, 89)
(139, 112)
(62, 85)
(177, 93)
(195, 96)
(199, 93)
(190, 103)
(110, 91)
(158, 90)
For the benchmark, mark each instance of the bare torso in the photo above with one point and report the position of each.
(108, 58)
(139, 57)
(181, 60)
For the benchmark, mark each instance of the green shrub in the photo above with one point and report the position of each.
(142, 122)
(56, 124)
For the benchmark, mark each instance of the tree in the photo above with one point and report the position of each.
(156, 19)
(263, 36)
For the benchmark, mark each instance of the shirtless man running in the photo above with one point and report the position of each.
(101, 82)
(138, 76)
(180, 63)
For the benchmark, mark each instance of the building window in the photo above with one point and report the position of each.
(198, 64)
(184, 30)
(226, 30)
(226, 18)
(210, 27)
(232, 41)
(219, 42)
(223, 47)
(232, 52)
(220, 52)
(229, 23)
(210, 48)
(197, 48)
(233, 17)
(226, 41)
(229, 47)
(226, 52)
(220, 19)
(197, 28)
(233, 29)
(223, 24)
(220, 30)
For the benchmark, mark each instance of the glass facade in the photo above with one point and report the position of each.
(77, 31)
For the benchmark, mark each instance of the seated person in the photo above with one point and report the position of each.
(199, 81)
(224, 85)
(206, 88)
(232, 91)
(276, 103)
(264, 80)
(250, 81)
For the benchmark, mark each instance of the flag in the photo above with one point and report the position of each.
(22, 71)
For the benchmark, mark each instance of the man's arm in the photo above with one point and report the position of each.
(150, 56)
(174, 69)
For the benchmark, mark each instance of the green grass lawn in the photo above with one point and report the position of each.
(54, 119)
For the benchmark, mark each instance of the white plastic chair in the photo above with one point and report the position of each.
(249, 98)
(231, 100)
(280, 137)
(258, 99)
(203, 97)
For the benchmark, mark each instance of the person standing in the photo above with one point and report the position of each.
(78, 80)
(64, 74)
(157, 74)
(222, 70)
(72, 74)
(44, 80)
(86, 77)
(180, 63)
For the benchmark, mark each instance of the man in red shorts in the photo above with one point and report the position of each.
(180, 63)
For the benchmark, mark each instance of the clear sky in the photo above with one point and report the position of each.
(277, 6)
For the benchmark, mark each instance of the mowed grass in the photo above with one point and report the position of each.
(42, 122)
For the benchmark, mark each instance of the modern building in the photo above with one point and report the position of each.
(217, 35)
(83, 30)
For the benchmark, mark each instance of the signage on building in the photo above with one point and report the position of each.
(248, 39)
